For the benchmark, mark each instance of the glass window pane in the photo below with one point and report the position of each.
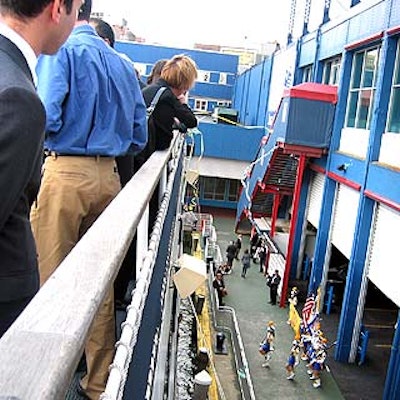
(363, 109)
(352, 109)
(327, 72)
(209, 188)
(394, 116)
(371, 60)
(233, 190)
(219, 189)
(357, 68)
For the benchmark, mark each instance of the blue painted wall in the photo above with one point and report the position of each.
(228, 141)
(215, 63)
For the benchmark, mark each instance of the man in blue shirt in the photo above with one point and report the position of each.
(95, 112)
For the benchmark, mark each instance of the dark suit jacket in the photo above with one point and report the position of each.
(22, 124)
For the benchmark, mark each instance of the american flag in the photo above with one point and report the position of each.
(308, 310)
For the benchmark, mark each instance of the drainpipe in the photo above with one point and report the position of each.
(296, 201)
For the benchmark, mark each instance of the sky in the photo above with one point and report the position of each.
(183, 23)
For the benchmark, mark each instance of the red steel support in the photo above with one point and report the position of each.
(293, 223)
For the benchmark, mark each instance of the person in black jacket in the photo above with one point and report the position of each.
(171, 112)
(27, 29)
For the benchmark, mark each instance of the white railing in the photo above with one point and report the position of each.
(40, 352)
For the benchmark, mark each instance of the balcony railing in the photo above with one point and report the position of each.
(39, 354)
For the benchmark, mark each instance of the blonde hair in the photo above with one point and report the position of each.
(180, 72)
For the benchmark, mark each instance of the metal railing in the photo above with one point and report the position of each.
(41, 350)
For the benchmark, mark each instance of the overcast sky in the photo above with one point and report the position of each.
(221, 22)
(246, 23)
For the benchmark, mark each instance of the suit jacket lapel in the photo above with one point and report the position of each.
(8, 47)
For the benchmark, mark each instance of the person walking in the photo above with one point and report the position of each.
(262, 254)
(27, 29)
(245, 263)
(238, 245)
(230, 253)
(85, 84)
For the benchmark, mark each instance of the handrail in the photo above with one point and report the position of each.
(40, 352)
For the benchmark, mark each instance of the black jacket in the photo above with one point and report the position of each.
(161, 121)
(22, 124)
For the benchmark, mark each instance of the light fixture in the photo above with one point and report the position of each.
(343, 167)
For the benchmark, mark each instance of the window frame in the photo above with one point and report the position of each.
(359, 87)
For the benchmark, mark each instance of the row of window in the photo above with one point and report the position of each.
(362, 89)
(212, 188)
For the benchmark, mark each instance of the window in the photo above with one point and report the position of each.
(200, 105)
(307, 74)
(203, 76)
(331, 72)
(362, 88)
(223, 78)
(214, 188)
(394, 108)
(233, 192)
(224, 103)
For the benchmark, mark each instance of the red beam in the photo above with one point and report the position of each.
(317, 168)
(380, 199)
(293, 223)
(393, 31)
(367, 40)
(344, 181)
(300, 150)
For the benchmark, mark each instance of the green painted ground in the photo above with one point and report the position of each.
(250, 299)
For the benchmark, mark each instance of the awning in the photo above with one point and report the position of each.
(219, 167)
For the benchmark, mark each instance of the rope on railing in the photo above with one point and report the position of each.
(119, 367)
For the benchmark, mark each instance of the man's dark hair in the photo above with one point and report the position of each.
(85, 11)
(104, 30)
(29, 8)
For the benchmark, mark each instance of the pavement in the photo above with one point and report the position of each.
(249, 297)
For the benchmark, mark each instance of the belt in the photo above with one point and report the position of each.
(54, 154)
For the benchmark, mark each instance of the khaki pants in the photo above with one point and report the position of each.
(73, 193)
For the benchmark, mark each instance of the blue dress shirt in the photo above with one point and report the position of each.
(92, 97)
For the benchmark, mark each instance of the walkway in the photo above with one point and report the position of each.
(249, 297)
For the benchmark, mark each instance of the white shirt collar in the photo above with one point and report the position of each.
(23, 46)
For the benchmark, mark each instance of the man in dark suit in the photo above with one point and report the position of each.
(27, 29)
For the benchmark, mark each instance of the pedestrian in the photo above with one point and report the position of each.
(83, 86)
(27, 29)
(230, 253)
(262, 254)
(238, 245)
(189, 222)
(245, 263)
(273, 282)
(219, 286)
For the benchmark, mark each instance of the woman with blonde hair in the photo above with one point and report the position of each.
(178, 76)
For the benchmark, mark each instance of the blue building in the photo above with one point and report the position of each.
(345, 209)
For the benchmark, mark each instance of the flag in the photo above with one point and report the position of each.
(294, 320)
(308, 310)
